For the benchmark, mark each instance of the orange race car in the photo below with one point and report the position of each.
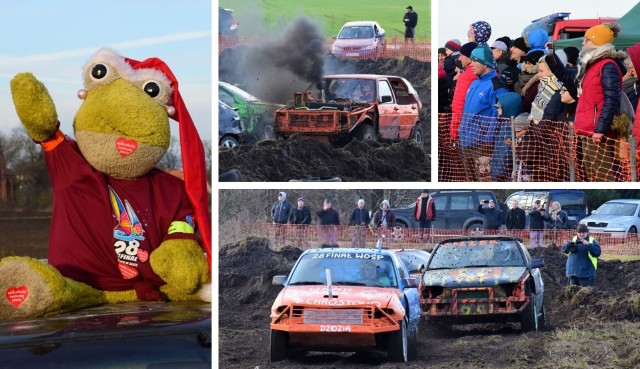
(344, 299)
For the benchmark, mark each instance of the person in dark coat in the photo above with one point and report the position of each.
(360, 219)
(492, 215)
(582, 262)
(410, 21)
(385, 220)
(300, 217)
(280, 215)
(425, 213)
(536, 225)
(328, 220)
(516, 219)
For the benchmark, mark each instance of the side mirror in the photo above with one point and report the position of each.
(536, 263)
(410, 282)
(380, 35)
(278, 280)
(421, 268)
(386, 99)
(334, 37)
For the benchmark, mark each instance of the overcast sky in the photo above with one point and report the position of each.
(53, 39)
(509, 18)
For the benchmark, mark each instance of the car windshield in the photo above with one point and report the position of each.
(349, 89)
(356, 32)
(244, 95)
(476, 253)
(412, 259)
(347, 268)
(617, 208)
(570, 200)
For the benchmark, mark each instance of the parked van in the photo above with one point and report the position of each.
(573, 202)
(455, 209)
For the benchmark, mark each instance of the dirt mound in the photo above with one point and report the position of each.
(295, 158)
(615, 296)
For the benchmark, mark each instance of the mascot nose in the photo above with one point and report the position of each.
(171, 110)
(82, 94)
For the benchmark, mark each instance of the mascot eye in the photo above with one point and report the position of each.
(151, 88)
(99, 71)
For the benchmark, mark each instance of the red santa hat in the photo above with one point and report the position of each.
(192, 150)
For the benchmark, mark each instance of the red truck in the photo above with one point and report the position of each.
(559, 27)
(364, 106)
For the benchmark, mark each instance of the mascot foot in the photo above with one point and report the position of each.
(32, 288)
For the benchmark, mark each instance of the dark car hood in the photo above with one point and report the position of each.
(470, 277)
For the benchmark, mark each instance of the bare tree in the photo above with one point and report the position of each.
(172, 159)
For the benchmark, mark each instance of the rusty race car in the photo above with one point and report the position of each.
(483, 279)
(345, 299)
(363, 106)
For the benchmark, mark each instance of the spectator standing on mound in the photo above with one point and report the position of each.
(300, 217)
(410, 22)
(536, 225)
(360, 219)
(385, 219)
(328, 220)
(516, 219)
(425, 213)
(280, 216)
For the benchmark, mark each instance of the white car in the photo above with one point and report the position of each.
(361, 40)
(615, 218)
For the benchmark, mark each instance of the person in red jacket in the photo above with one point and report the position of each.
(464, 79)
(598, 81)
(425, 213)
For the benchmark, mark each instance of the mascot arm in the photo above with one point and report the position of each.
(34, 106)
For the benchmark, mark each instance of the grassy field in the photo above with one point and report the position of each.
(331, 14)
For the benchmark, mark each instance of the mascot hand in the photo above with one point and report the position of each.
(181, 264)
(34, 106)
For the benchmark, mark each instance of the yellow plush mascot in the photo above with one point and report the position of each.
(122, 230)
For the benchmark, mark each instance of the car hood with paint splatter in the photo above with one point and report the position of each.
(473, 276)
(342, 296)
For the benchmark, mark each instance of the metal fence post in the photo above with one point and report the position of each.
(514, 171)
(632, 158)
(572, 163)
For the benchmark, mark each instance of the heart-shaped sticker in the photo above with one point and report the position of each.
(143, 255)
(126, 147)
(127, 271)
(17, 295)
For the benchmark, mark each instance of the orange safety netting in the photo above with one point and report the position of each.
(420, 49)
(501, 150)
(312, 236)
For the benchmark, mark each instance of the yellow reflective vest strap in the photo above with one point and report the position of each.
(181, 227)
(594, 260)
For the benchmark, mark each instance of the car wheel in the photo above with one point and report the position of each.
(529, 317)
(633, 232)
(228, 142)
(366, 132)
(398, 349)
(476, 229)
(418, 135)
(279, 345)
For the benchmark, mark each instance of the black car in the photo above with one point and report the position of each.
(227, 25)
(129, 335)
(455, 209)
(229, 127)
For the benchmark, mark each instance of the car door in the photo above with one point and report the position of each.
(411, 297)
(441, 211)
(389, 116)
(462, 206)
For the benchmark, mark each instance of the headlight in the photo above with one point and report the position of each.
(370, 47)
(616, 225)
(582, 222)
(335, 48)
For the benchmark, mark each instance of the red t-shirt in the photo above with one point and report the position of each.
(103, 229)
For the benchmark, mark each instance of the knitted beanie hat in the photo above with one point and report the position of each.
(467, 48)
(600, 35)
(482, 54)
(481, 32)
(453, 45)
(519, 43)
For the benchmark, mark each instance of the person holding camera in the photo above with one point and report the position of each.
(536, 225)
(582, 263)
(492, 215)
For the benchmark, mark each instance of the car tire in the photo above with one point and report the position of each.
(366, 132)
(476, 229)
(529, 318)
(398, 349)
(229, 142)
(418, 135)
(279, 345)
(633, 233)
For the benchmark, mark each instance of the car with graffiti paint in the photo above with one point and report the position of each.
(346, 300)
(483, 279)
(364, 106)
(413, 259)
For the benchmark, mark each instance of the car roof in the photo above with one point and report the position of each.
(628, 201)
(480, 238)
(360, 23)
(360, 76)
(349, 250)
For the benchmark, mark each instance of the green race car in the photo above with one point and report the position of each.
(257, 116)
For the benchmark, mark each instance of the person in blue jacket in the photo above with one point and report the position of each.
(582, 263)
(477, 129)
(509, 105)
(537, 40)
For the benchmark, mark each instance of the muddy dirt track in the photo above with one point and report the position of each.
(273, 160)
(588, 328)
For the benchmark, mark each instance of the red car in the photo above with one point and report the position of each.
(362, 40)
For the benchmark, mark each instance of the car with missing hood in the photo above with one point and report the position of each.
(346, 300)
(363, 39)
(481, 280)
